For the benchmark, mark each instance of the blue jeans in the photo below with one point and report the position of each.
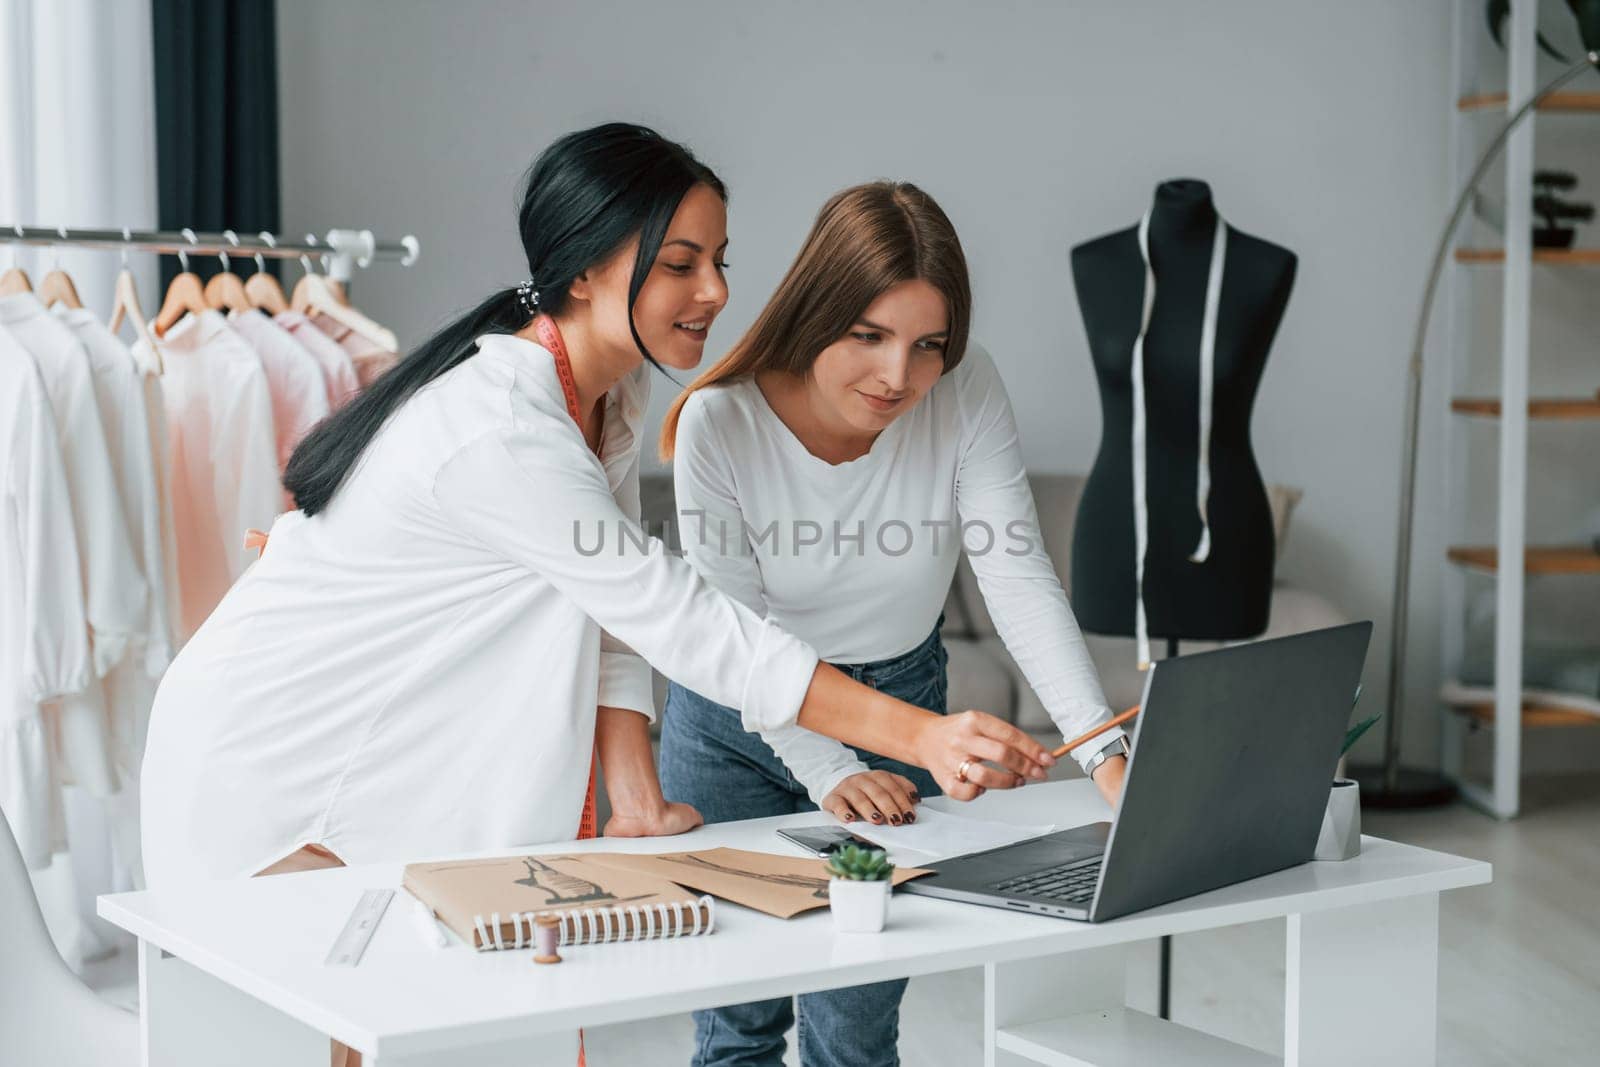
(710, 761)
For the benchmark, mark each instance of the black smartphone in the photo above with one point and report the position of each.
(822, 840)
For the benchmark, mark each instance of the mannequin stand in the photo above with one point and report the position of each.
(1164, 989)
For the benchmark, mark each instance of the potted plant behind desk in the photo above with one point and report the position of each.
(1340, 838)
(858, 891)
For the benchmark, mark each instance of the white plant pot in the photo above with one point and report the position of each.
(858, 907)
(1340, 838)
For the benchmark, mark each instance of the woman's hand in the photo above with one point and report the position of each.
(877, 796)
(973, 741)
(665, 821)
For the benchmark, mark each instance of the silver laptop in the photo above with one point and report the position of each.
(1232, 759)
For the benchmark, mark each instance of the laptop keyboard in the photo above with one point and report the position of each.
(1069, 883)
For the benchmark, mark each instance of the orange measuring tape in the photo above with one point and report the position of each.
(550, 338)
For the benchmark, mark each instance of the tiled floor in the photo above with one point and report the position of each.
(1519, 974)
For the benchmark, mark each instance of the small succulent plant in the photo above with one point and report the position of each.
(856, 864)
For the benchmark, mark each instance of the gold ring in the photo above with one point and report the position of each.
(961, 771)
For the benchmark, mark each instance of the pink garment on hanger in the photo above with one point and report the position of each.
(294, 381)
(336, 364)
(224, 456)
(371, 359)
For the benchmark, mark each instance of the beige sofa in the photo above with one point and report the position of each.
(982, 673)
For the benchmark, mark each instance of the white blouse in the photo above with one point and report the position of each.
(44, 638)
(414, 671)
(113, 589)
(857, 557)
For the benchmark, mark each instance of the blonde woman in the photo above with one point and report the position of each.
(828, 471)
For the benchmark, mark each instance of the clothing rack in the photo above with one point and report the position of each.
(340, 250)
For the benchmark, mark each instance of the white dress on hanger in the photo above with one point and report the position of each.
(44, 640)
(414, 671)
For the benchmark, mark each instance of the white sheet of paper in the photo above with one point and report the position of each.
(937, 835)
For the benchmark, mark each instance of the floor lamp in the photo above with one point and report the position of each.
(1390, 785)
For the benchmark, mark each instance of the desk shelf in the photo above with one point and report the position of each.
(1125, 1038)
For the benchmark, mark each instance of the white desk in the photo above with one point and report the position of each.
(235, 968)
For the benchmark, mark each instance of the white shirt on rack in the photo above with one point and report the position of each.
(114, 592)
(113, 589)
(857, 558)
(135, 446)
(44, 638)
(224, 474)
(120, 395)
(414, 671)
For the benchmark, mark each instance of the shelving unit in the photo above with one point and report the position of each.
(1510, 412)
(1556, 102)
(1561, 257)
(1534, 715)
(1544, 559)
(1552, 407)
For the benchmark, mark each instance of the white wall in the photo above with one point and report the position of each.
(1320, 126)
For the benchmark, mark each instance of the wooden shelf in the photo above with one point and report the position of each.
(1569, 257)
(1571, 102)
(1533, 715)
(1550, 559)
(1538, 407)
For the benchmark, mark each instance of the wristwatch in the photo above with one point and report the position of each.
(1119, 747)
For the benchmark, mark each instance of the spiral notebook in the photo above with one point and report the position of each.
(493, 903)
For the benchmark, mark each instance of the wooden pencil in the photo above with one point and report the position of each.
(1096, 732)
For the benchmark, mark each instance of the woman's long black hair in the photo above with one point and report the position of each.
(583, 198)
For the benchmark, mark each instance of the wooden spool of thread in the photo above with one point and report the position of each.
(546, 939)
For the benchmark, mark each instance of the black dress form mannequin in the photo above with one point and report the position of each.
(1228, 596)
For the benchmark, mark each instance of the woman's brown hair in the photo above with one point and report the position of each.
(866, 240)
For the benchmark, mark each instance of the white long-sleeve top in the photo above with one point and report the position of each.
(124, 396)
(857, 558)
(113, 587)
(44, 638)
(414, 671)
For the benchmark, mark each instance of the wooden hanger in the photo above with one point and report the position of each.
(125, 301)
(184, 296)
(263, 288)
(15, 279)
(57, 285)
(225, 290)
(313, 293)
